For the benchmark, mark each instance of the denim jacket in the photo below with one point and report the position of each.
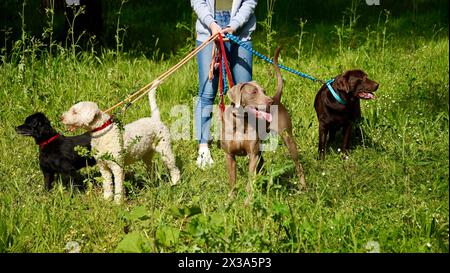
(242, 18)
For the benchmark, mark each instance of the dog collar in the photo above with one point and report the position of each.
(106, 124)
(44, 143)
(335, 95)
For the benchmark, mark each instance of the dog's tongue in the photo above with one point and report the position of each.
(262, 114)
(366, 95)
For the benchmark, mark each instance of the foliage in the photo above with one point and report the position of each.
(392, 191)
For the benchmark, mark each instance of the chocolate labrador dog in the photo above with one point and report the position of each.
(246, 121)
(337, 105)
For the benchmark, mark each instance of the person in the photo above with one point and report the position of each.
(220, 16)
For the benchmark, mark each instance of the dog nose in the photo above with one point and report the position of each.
(376, 86)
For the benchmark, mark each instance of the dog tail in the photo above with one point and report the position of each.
(277, 97)
(152, 100)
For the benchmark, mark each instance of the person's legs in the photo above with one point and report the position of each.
(207, 93)
(203, 112)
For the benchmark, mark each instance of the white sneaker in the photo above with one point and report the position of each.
(204, 158)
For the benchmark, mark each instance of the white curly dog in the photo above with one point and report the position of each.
(140, 139)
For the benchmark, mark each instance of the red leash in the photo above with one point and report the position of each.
(222, 57)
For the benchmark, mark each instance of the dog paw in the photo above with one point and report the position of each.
(232, 194)
(118, 199)
(302, 185)
(107, 195)
(302, 188)
(247, 201)
(175, 178)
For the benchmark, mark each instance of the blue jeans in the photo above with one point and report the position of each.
(240, 61)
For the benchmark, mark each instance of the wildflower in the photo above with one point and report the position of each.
(72, 247)
(372, 247)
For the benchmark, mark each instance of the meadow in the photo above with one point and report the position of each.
(391, 194)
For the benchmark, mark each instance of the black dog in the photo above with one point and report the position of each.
(56, 153)
(337, 105)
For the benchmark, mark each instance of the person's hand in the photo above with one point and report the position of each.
(215, 28)
(227, 30)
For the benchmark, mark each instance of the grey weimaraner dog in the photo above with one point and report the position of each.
(241, 131)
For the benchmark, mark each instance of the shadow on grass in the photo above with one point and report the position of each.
(77, 184)
(138, 177)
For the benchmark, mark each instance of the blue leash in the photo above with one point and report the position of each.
(298, 73)
(256, 53)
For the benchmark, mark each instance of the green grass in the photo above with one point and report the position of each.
(394, 188)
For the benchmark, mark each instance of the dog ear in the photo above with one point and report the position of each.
(342, 84)
(92, 116)
(235, 94)
(41, 126)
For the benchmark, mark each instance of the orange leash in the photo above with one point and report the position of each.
(144, 90)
